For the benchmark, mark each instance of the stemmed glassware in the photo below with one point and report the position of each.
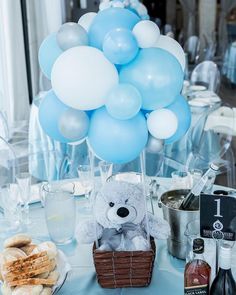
(10, 202)
(105, 170)
(86, 178)
(24, 182)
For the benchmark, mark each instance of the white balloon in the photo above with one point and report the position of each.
(162, 123)
(82, 77)
(171, 45)
(142, 10)
(104, 5)
(118, 4)
(147, 33)
(86, 20)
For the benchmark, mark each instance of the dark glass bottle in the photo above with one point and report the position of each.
(191, 201)
(197, 272)
(224, 283)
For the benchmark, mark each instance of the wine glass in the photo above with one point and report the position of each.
(85, 176)
(11, 206)
(105, 170)
(24, 182)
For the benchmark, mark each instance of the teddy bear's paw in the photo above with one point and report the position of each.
(158, 227)
(104, 247)
(87, 232)
(140, 244)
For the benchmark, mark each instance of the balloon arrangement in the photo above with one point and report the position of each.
(115, 82)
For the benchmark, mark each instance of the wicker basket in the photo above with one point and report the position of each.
(124, 269)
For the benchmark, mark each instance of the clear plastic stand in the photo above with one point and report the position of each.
(93, 192)
(143, 178)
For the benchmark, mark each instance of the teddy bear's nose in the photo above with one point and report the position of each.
(122, 212)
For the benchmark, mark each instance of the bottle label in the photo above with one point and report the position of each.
(197, 290)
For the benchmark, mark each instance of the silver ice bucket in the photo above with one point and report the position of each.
(178, 219)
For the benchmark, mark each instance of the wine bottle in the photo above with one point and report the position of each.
(224, 283)
(197, 271)
(191, 201)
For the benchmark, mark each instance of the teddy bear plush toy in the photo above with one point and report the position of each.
(120, 220)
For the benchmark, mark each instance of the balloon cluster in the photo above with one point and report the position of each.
(115, 82)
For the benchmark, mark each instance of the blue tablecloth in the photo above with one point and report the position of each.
(229, 67)
(168, 272)
(167, 276)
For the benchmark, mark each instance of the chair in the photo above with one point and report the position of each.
(192, 47)
(16, 135)
(8, 163)
(176, 154)
(4, 131)
(211, 142)
(207, 74)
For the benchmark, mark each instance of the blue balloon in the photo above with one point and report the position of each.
(117, 141)
(110, 19)
(48, 53)
(157, 75)
(120, 46)
(123, 102)
(52, 111)
(182, 110)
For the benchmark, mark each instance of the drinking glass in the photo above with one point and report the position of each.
(85, 176)
(196, 175)
(60, 212)
(105, 170)
(180, 180)
(24, 182)
(11, 205)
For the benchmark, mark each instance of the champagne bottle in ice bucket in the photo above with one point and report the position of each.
(191, 201)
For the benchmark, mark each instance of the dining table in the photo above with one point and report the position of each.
(168, 271)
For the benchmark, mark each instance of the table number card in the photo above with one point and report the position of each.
(218, 217)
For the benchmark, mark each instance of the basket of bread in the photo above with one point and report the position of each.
(29, 268)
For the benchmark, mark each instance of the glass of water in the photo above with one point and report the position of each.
(60, 212)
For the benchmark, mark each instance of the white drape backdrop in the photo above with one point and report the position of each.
(207, 23)
(190, 12)
(14, 89)
(43, 17)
